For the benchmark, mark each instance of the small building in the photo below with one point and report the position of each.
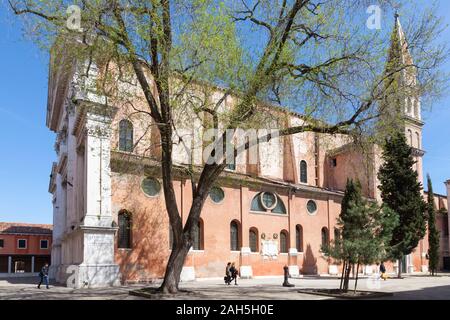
(24, 248)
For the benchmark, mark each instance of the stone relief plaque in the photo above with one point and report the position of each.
(269, 249)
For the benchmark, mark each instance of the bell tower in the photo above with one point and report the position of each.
(404, 102)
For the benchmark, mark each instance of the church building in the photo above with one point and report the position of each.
(110, 222)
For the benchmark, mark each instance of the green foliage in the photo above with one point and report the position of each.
(366, 229)
(401, 192)
(433, 233)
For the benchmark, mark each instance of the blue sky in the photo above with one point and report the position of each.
(27, 145)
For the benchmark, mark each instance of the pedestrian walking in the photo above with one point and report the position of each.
(383, 272)
(234, 273)
(227, 277)
(43, 275)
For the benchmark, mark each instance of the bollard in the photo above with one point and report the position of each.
(286, 276)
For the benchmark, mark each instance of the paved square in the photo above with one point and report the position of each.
(412, 287)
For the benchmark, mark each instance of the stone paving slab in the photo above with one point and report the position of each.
(412, 287)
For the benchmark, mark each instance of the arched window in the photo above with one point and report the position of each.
(268, 202)
(303, 172)
(299, 238)
(418, 140)
(416, 109)
(234, 236)
(230, 156)
(125, 136)
(409, 106)
(253, 240)
(198, 236)
(284, 242)
(337, 235)
(124, 241)
(410, 137)
(324, 237)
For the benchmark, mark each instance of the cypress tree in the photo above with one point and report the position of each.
(366, 231)
(401, 192)
(433, 233)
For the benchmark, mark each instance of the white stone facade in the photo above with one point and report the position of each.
(83, 248)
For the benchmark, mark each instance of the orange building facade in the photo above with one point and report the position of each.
(110, 221)
(24, 248)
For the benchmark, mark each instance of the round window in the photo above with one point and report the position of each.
(268, 200)
(151, 187)
(216, 194)
(311, 206)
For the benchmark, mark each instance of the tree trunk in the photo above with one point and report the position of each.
(357, 276)
(400, 266)
(174, 268)
(342, 274)
(347, 277)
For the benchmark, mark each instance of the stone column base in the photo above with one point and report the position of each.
(91, 276)
(368, 270)
(246, 272)
(187, 274)
(333, 270)
(294, 272)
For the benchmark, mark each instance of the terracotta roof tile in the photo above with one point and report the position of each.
(22, 228)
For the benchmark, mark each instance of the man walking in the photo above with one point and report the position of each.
(43, 274)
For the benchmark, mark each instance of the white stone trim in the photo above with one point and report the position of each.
(333, 270)
(245, 250)
(294, 271)
(187, 274)
(246, 272)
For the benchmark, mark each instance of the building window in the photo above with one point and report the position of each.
(21, 244)
(334, 162)
(337, 235)
(217, 195)
(284, 242)
(410, 138)
(230, 157)
(44, 244)
(256, 204)
(2, 243)
(125, 136)
(445, 226)
(299, 238)
(324, 237)
(124, 230)
(267, 201)
(303, 172)
(198, 236)
(151, 187)
(234, 236)
(418, 140)
(311, 206)
(409, 106)
(253, 240)
(416, 108)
